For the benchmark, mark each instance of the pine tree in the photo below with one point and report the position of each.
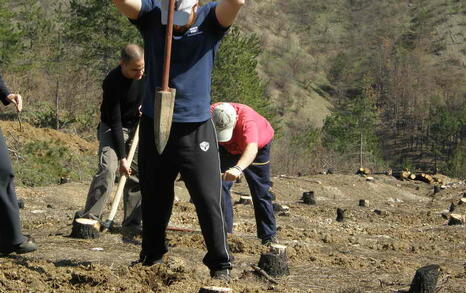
(99, 31)
(235, 78)
(9, 33)
(353, 123)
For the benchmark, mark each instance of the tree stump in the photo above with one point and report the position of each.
(340, 215)
(425, 279)
(309, 198)
(456, 219)
(363, 203)
(280, 208)
(452, 208)
(85, 228)
(436, 189)
(213, 289)
(20, 203)
(245, 200)
(275, 262)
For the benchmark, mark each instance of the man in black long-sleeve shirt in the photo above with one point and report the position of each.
(11, 238)
(122, 96)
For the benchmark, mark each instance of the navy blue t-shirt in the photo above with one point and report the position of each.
(192, 60)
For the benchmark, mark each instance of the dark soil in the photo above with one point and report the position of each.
(368, 252)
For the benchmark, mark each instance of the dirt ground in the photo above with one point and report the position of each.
(368, 252)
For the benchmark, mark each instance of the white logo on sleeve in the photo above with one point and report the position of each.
(204, 146)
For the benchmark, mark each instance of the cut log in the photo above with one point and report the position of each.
(412, 176)
(285, 213)
(85, 228)
(245, 200)
(279, 207)
(425, 279)
(363, 203)
(363, 171)
(402, 175)
(309, 198)
(340, 215)
(425, 178)
(456, 219)
(275, 262)
(213, 289)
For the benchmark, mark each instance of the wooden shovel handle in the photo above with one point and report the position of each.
(168, 46)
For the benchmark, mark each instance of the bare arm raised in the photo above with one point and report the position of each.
(129, 8)
(227, 10)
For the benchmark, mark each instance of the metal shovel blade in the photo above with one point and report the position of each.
(163, 114)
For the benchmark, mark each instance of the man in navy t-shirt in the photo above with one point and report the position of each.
(192, 147)
(11, 237)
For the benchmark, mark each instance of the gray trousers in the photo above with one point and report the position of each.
(103, 181)
(10, 225)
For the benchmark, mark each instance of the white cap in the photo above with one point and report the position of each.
(224, 117)
(183, 10)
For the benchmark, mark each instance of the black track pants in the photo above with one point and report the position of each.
(192, 151)
(10, 227)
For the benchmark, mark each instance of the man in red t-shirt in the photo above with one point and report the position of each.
(244, 139)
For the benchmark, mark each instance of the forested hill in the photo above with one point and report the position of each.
(330, 74)
(395, 71)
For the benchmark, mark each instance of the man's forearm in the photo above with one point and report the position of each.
(129, 8)
(248, 156)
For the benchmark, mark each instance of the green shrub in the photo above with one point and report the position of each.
(46, 162)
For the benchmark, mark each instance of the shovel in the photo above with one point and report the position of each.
(164, 101)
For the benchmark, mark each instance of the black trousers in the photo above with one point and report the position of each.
(192, 151)
(258, 177)
(10, 227)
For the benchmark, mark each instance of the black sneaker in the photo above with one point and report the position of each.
(148, 261)
(25, 247)
(223, 275)
(269, 241)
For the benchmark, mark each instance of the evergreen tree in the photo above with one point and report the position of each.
(99, 31)
(9, 34)
(235, 78)
(352, 123)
